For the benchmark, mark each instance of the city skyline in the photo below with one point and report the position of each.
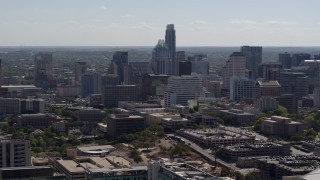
(142, 23)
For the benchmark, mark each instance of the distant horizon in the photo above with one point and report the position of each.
(205, 23)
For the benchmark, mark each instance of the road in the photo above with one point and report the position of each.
(208, 154)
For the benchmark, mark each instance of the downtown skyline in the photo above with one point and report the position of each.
(143, 23)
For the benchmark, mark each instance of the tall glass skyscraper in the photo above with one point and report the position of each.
(253, 59)
(170, 41)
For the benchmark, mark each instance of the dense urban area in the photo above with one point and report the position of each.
(165, 112)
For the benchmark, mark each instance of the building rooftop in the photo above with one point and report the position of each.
(119, 161)
(268, 84)
(71, 166)
(93, 149)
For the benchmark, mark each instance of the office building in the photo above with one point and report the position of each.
(213, 87)
(185, 68)
(29, 172)
(89, 117)
(124, 123)
(14, 152)
(68, 90)
(180, 89)
(32, 106)
(298, 58)
(109, 80)
(174, 123)
(240, 88)
(161, 63)
(80, 68)
(111, 95)
(180, 56)
(266, 103)
(90, 84)
(286, 60)
(235, 66)
(240, 117)
(293, 83)
(200, 66)
(9, 105)
(289, 101)
(119, 60)
(270, 71)
(170, 41)
(134, 71)
(281, 126)
(43, 70)
(154, 85)
(267, 88)
(39, 121)
(253, 56)
(316, 97)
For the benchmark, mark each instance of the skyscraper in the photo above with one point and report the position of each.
(119, 60)
(286, 60)
(90, 84)
(253, 56)
(235, 66)
(79, 69)
(161, 58)
(43, 70)
(170, 41)
(180, 89)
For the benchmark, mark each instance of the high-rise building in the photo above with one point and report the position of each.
(294, 83)
(14, 152)
(298, 58)
(161, 63)
(270, 70)
(79, 70)
(43, 70)
(154, 85)
(170, 41)
(185, 68)
(180, 56)
(240, 88)
(119, 60)
(111, 95)
(134, 71)
(235, 66)
(109, 80)
(90, 84)
(180, 89)
(253, 56)
(286, 60)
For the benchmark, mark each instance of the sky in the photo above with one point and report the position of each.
(143, 22)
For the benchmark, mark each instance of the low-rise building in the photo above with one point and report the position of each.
(176, 170)
(233, 152)
(68, 90)
(214, 137)
(242, 118)
(175, 123)
(38, 121)
(155, 118)
(124, 123)
(277, 167)
(281, 126)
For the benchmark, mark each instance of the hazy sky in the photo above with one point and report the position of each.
(143, 22)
